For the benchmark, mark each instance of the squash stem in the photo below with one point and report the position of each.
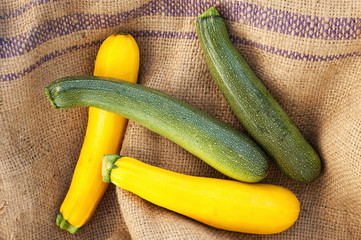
(108, 165)
(64, 224)
(212, 12)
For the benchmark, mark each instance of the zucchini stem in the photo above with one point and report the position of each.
(211, 12)
(108, 165)
(64, 224)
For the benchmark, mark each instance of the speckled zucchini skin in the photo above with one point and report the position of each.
(221, 146)
(254, 106)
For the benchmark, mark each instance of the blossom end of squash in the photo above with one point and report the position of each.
(64, 224)
(108, 165)
(50, 97)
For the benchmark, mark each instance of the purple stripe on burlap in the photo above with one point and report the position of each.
(292, 54)
(165, 34)
(47, 58)
(24, 8)
(180, 35)
(251, 14)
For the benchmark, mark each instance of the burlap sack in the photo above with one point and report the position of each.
(307, 53)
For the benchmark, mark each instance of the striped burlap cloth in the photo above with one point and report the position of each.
(307, 53)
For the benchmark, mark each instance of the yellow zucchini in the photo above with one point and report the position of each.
(118, 57)
(223, 204)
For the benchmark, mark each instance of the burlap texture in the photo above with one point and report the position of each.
(307, 53)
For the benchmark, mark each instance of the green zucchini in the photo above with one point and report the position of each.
(221, 146)
(257, 110)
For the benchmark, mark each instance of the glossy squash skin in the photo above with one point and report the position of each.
(223, 204)
(118, 57)
(257, 110)
(221, 146)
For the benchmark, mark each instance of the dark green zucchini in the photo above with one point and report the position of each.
(254, 106)
(221, 146)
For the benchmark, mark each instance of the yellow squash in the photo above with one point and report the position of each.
(224, 204)
(118, 57)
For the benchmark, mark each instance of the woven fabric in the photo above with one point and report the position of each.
(307, 53)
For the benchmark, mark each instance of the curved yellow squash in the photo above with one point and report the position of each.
(224, 204)
(118, 57)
